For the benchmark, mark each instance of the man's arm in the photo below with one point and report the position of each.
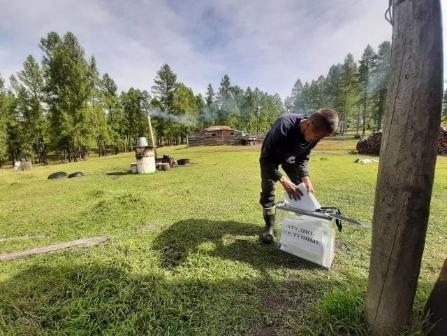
(274, 139)
(302, 166)
(269, 169)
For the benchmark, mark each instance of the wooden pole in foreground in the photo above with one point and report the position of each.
(407, 163)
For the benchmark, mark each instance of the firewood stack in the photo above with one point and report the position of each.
(442, 141)
(371, 144)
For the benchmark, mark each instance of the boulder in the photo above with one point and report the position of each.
(76, 174)
(57, 175)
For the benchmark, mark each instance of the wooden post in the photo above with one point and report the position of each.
(407, 163)
(437, 305)
(151, 134)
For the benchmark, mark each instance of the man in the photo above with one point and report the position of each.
(288, 143)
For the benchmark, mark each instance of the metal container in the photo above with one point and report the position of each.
(165, 166)
(145, 157)
(183, 162)
(142, 142)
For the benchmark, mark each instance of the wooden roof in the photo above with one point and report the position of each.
(218, 128)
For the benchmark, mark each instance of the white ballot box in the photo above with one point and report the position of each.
(307, 237)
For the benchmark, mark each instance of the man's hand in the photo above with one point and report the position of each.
(291, 188)
(308, 184)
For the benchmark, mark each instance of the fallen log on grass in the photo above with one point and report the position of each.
(86, 242)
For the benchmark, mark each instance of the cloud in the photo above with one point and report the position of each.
(268, 44)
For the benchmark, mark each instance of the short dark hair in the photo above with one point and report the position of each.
(325, 120)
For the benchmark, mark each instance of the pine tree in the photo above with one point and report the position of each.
(165, 85)
(27, 122)
(296, 98)
(97, 108)
(186, 111)
(380, 75)
(34, 122)
(333, 88)
(69, 86)
(248, 108)
(135, 106)
(209, 95)
(114, 113)
(349, 88)
(14, 130)
(367, 64)
(225, 86)
(5, 102)
(228, 110)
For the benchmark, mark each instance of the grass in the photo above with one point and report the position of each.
(184, 256)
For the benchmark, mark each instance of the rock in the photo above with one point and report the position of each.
(76, 174)
(365, 161)
(57, 175)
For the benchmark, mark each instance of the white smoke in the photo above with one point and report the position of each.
(185, 120)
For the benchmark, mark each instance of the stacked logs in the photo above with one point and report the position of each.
(371, 144)
(442, 141)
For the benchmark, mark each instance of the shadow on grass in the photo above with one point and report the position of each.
(94, 299)
(228, 240)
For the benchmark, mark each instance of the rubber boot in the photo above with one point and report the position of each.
(269, 217)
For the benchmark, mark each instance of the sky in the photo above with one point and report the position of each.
(258, 43)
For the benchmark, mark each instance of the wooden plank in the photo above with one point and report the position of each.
(407, 164)
(86, 242)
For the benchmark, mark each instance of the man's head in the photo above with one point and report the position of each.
(320, 124)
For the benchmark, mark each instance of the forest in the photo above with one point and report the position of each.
(62, 107)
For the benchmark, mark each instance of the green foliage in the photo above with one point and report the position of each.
(114, 113)
(6, 101)
(165, 85)
(296, 99)
(70, 85)
(356, 91)
(209, 95)
(34, 138)
(136, 106)
(367, 64)
(65, 105)
(380, 78)
(349, 87)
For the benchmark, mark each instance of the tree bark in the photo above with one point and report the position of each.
(436, 306)
(407, 163)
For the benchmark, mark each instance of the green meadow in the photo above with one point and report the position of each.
(183, 256)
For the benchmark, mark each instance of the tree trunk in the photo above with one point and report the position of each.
(407, 163)
(358, 123)
(437, 305)
(365, 106)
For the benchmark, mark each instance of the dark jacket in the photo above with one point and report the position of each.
(285, 144)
